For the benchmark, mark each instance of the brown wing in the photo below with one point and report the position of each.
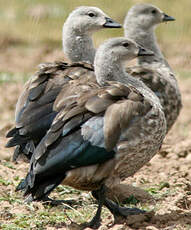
(77, 102)
(45, 86)
(34, 112)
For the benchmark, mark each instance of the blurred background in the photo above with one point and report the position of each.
(31, 31)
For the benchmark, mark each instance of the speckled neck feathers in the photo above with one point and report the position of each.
(146, 38)
(77, 46)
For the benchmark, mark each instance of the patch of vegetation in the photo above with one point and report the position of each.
(41, 217)
(164, 185)
(152, 190)
(8, 165)
(160, 190)
(6, 77)
(67, 190)
(131, 200)
(184, 74)
(5, 182)
(10, 197)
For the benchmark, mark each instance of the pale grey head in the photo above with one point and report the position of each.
(145, 16)
(139, 25)
(77, 31)
(86, 20)
(112, 55)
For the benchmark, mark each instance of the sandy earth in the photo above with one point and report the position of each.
(163, 186)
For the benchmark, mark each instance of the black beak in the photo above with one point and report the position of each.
(110, 23)
(144, 52)
(167, 18)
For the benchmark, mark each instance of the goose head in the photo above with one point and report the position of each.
(86, 20)
(146, 16)
(112, 55)
(121, 49)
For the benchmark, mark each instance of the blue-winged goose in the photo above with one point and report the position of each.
(99, 126)
(154, 71)
(34, 112)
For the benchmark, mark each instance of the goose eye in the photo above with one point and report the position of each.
(153, 11)
(126, 44)
(91, 14)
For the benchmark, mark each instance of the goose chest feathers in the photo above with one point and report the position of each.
(103, 130)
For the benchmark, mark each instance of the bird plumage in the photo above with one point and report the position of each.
(87, 144)
(34, 113)
(77, 30)
(34, 109)
(154, 71)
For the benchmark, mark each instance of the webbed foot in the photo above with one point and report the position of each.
(95, 223)
(117, 210)
(123, 211)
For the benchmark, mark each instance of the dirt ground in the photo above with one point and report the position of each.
(162, 187)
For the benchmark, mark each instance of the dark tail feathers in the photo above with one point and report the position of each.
(36, 189)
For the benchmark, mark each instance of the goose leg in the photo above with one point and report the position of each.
(100, 197)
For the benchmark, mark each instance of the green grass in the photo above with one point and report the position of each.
(6, 77)
(9, 165)
(131, 200)
(184, 74)
(35, 217)
(4, 182)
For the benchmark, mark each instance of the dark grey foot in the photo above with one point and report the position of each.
(122, 211)
(52, 202)
(117, 210)
(94, 223)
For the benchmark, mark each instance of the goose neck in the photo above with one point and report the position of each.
(146, 38)
(78, 46)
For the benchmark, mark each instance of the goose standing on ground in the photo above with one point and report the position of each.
(34, 109)
(97, 127)
(154, 71)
